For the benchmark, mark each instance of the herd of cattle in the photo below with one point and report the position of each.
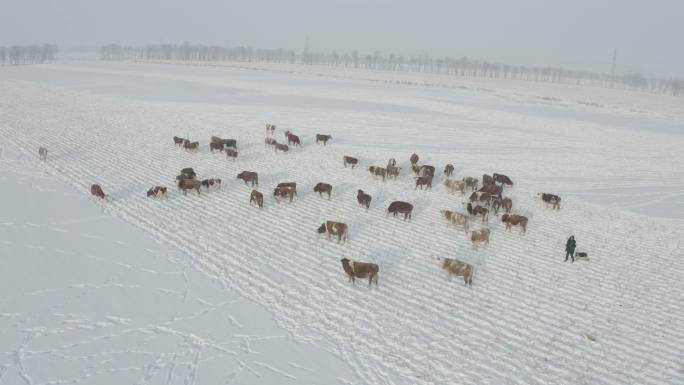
(483, 198)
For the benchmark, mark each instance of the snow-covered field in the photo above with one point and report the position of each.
(528, 318)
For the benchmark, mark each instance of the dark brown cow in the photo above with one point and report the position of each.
(424, 181)
(157, 192)
(334, 228)
(283, 192)
(257, 198)
(321, 188)
(291, 185)
(427, 170)
(551, 199)
(189, 184)
(454, 266)
(249, 176)
(213, 182)
(350, 160)
(293, 140)
(492, 188)
(281, 147)
(189, 173)
(478, 210)
(323, 138)
(230, 153)
(363, 199)
(515, 220)
(448, 170)
(360, 270)
(215, 139)
(190, 146)
(414, 159)
(484, 197)
(179, 141)
(232, 143)
(42, 153)
(503, 179)
(471, 182)
(215, 146)
(487, 179)
(399, 207)
(378, 171)
(96, 190)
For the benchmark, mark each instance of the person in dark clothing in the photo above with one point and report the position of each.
(570, 248)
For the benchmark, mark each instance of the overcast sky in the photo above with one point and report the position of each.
(649, 35)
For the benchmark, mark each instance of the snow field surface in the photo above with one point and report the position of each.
(528, 318)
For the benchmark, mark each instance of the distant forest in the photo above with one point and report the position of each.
(27, 54)
(445, 65)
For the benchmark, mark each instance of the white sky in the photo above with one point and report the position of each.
(649, 35)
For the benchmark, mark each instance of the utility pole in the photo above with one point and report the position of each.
(612, 68)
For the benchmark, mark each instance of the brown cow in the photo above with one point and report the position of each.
(323, 138)
(232, 143)
(484, 197)
(363, 199)
(213, 182)
(427, 170)
(230, 153)
(270, 128)
(189, 173)
(492, 188)
(96, 190)
(291, 185)
(454, 266)
(249, 176)
(414, 159)
(293, 140)
(190, 146)
(454, 185)
(393, 171)
(157, 192)
(281, 147)
(283, 192)
(401, 208)
(448, 170)
(515, 220)
(321, 188)
(215, 146)
(487, 179)
(42, 153)
(378, 171)
(179, 141)
(270, 142)
(350, 160)
(189, 184)
(479, 236)
(478, 210)
(503, 179)
(257, 198)
(551, 199)
(215, 139)
(334, 228)
(455, 218)
(471, 182)
(505, 203)
(360, 270)
(391, 162)
(424, 181)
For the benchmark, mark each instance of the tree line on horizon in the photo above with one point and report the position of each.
(27, 54)
(445, 65)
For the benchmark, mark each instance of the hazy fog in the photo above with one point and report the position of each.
(649, 35)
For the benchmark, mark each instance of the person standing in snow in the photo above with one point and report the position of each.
(570, 248)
